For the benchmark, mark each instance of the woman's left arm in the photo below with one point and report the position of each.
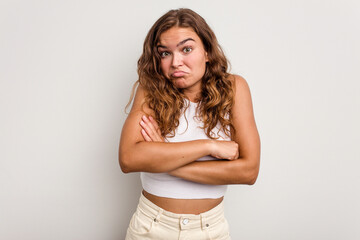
(243, 170)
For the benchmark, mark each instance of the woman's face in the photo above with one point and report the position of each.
(183, 58)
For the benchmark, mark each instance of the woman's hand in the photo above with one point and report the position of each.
(225, 149)
(150, 130)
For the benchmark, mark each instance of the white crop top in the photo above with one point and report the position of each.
(165, 185)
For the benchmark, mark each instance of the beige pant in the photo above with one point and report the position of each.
(152, 222)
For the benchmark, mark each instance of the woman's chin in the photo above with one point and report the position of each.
(179, 83)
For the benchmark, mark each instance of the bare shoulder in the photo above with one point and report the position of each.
(131, 131)
(239, 83)
(242, 111)
(244, 121)
(139, 104)
(241, 90)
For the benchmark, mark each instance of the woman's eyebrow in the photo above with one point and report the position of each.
(179, 44)
(184, 41)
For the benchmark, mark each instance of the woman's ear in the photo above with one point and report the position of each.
(206, 57)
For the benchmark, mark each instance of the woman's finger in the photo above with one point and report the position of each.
(152, 120)
(145, 135)
(150, 125)
(146, 129)
(151, 129)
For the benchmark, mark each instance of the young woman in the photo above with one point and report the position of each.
(190, 132)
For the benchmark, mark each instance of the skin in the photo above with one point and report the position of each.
(142, 148)
(183, 59)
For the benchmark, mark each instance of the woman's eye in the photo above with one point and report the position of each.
(164, 54)
(187, 49)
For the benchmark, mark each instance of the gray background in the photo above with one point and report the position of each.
(66, 70)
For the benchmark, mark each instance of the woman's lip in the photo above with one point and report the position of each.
(178, 74)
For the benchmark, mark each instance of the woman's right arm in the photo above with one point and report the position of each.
(138, 155)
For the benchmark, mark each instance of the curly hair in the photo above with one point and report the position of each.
(167, 101)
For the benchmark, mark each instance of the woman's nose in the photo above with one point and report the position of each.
(177, 60)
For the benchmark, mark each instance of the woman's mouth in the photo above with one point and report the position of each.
(177, 74)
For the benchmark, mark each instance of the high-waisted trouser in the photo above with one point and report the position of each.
(152, 222)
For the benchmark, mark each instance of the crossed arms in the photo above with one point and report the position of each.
(142, 148)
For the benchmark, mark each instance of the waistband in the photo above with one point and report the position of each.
(181, 221)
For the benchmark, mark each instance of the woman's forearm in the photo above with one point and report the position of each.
(240, 171)
(161, 156)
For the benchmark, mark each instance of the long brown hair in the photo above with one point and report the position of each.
(165, 99)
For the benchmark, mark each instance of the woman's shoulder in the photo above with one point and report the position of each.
(237, 80)
(139, 103)
(242, 95)
(239, 83)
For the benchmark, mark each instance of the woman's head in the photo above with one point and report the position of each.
(182, 59)
(181, 18)
(164, 94)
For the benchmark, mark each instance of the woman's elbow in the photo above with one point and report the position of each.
(130, 162)
(252, 177)
(125, 163)
(247, 174)
(124, 168)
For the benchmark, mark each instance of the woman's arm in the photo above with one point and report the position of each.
(243, 170)
(217, 172)
(136, 155)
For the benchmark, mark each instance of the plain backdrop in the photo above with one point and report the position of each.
(66, 71)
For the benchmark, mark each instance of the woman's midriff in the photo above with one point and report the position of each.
(183, 206)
